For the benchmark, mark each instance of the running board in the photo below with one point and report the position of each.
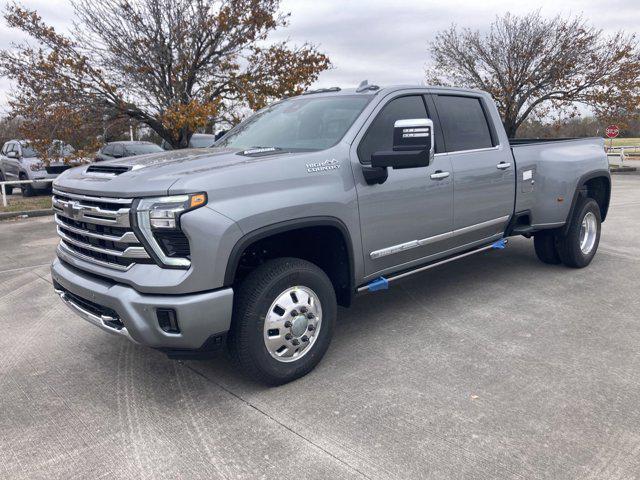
(382, 283)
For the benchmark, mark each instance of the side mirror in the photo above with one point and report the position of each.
(13, 154)
(220, 134)
(413, 147)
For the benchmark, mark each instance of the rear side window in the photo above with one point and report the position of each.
(464, 123)
(379, 136)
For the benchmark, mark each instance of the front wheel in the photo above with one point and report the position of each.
(27, 188)
(283, 320)
(578, 247)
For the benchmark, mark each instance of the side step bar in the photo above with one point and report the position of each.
(382, 283)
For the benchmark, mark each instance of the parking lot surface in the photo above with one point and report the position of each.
(497, 366)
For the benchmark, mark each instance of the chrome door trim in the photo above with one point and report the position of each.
(402, 247)
(478, 226)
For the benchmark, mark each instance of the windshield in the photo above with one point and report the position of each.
(142, 148)
(202, 141)
(302, 123)
(28, 151)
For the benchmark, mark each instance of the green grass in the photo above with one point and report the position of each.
(16, 203)
(617, 142)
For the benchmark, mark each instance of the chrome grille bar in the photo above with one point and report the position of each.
(97, 230)
(127, 237)
(76, 196)
(129, 252)
(88, 213)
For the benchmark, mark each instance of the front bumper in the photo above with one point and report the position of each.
(41, 180)
(121, 310)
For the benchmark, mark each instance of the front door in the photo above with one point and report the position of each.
(483, 170)
(408, 217)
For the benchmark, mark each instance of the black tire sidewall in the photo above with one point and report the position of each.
(268, 368)
(569, 245)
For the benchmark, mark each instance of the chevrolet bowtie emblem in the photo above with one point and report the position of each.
(72, 209)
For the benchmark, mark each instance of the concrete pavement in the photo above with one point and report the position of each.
(497, 366)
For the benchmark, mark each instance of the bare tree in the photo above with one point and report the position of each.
(171, 64)
(533, 65)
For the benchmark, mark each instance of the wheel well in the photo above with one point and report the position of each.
(599, 188)
(323, 245)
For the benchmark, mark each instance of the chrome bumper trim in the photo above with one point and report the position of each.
(91, 318)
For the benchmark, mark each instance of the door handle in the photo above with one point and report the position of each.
(439, 175)
(503, 165)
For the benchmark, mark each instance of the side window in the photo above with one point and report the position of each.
(464, 123)
(4, 148)
(107, 150)
(379, 136)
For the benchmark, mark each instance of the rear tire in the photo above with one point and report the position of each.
(578, 247)
(546, 248)
(275, 337)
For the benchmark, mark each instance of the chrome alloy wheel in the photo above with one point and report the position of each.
(588, 233)
(292, 324)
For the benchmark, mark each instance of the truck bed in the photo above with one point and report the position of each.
(546, 175)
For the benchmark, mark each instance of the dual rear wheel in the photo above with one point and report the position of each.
(577, 248)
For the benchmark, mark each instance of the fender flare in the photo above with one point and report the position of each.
(580, 190)
(281, 227)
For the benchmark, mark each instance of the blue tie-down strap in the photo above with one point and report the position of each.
(500, 244)
(379, 283)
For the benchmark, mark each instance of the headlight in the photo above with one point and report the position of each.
(35, 167)
(158, 220)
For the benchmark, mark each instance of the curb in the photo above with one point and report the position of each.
(26, 213)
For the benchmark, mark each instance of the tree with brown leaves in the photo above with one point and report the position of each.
(534, 66)
(170, 64)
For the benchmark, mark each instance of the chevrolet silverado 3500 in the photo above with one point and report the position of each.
(252, 244)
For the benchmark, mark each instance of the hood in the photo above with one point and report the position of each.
(144, 175)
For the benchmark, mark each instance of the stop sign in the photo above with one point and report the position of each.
(612, 131)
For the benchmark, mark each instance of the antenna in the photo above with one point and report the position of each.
(364, 86)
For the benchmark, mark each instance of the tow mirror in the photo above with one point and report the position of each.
(413, 147)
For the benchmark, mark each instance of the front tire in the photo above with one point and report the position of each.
(578, 247)
(283, 320)
(27, 188)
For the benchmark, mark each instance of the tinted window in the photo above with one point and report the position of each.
(301, 123)
(29, 152)
(464, 123)
(379, 136)
(142, 148)
(202, 141)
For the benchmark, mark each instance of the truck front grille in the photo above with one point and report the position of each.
(98, 230)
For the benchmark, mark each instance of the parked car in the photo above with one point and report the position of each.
(311, 201)
(198, 140)
(114, 150)
(20, 161)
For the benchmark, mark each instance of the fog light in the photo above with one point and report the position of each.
(168, 320)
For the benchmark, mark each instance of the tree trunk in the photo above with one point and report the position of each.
(511, 127)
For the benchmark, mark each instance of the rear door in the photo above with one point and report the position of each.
(408, 217)
(483, 170)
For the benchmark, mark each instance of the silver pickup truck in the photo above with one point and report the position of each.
(253, 243)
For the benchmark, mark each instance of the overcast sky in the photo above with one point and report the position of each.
(385, 42)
